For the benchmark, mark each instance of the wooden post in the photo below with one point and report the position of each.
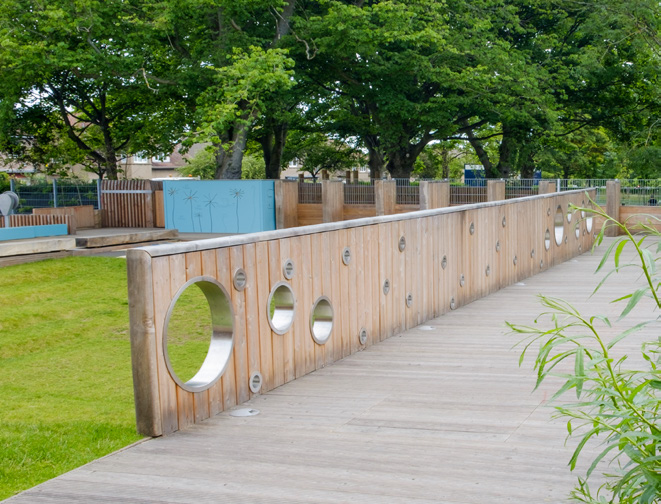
(332, 200)
(442, 194)
(426, 196)
(495, 190)
(347, 176)
(143, 344)
(355, 176)
(286, 203)
(301, 177)
(434, 194)
(613, 202)
(324, 175)
(385, 195)
(546, 187)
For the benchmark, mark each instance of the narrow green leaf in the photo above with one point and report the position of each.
(579, 448)
(606, 256)
(599, 458)
(635, 297)
(655, 384)
(618, 251)
(626, 333)
(579, 371)
(569, 427)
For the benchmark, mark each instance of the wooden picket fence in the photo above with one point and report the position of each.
(128, 203)
(19, 220)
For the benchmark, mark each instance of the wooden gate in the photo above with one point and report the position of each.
(128, 203)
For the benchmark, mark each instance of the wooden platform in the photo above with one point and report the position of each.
(429, 416)
(102, 238)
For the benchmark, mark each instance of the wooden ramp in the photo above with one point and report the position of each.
(439, 414)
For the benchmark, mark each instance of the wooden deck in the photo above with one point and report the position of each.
(428, 416)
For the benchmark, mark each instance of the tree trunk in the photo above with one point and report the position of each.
(402, 161)
(482, 155)
(445, 164)
(230, 156)
(507, 153)
(273, 145)
(376, 161)
(400, 164)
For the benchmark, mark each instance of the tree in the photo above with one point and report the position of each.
(318, 152)
(90, 74)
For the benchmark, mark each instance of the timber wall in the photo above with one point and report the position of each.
(451, 257)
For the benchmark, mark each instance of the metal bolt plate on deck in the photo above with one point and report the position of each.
(244, 412)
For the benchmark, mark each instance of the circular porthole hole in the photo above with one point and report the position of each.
(462, 280)
(256, 381)
(472, 228)
(588, 223)
(409, 300)
(402, 244)
(444, 262)
(362, 336)
(386, 287)
(281, 305)
(559, 223)
(288, 269)
(346, 256)
(198, 334)
(321, 320)
(240, 279)
(547, 239)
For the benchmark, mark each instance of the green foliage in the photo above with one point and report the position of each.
(88, 76)
(618, 405)
(203, 165)
(4, 182)
(253, 167)
(242, 90)
(317, 152)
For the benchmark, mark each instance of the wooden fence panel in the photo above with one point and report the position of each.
(451, 257)
(127, 203)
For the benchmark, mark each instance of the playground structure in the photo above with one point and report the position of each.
(285, 303)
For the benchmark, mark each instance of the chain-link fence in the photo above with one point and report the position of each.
(59, 193)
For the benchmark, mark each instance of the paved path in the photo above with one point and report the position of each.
(441, 413)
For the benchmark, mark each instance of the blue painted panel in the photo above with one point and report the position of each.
(26, 232)
(219, 206)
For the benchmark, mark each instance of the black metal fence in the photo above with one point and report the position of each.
(59, 193)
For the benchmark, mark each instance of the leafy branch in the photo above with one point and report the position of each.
(621, 406)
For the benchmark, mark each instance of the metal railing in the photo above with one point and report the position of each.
(467, 194)
(309, 193)
(640, 192)
(359, 194)
(58, 193)
(520, 188)
(407, 192)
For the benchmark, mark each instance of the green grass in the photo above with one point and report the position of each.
(66, 394)
(189, 333)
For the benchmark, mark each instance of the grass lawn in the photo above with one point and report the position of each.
(66, 393)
